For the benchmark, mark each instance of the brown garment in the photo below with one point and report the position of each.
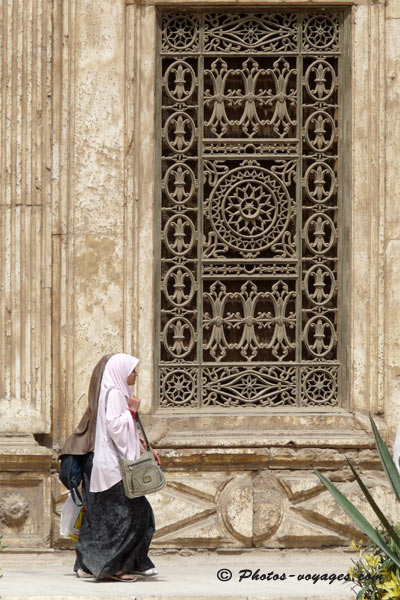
(83, 439)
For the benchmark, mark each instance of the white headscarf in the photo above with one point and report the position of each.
(116, 372)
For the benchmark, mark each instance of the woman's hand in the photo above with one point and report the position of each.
(155, 453)
(156, 456)
(134, 403)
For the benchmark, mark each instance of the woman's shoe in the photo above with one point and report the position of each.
(125, 577)
(83, 574)
(147, 573)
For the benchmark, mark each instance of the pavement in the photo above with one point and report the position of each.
(187, 575)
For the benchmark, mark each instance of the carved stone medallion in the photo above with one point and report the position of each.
(14, 510)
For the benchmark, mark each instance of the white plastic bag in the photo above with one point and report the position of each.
(71, 519)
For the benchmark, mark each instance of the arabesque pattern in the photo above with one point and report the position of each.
(249, 113)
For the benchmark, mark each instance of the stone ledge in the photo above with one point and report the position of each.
(21, 452)
(264, 3)
(300, 428)
(266, 458)
(284, 438)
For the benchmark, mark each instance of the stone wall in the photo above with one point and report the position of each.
(76, 222)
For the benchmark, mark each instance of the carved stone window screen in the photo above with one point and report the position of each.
(251, 116)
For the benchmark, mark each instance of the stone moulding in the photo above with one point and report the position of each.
(20, 452)
(266, 3)
(257, 459)
(321, 429)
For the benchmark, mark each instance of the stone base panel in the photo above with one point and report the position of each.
(267, 498)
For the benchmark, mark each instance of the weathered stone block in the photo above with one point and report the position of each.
(25, 510)
(25, 493)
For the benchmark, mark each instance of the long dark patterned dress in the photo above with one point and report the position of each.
(116, 530)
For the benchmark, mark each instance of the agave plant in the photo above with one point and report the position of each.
(393, 476)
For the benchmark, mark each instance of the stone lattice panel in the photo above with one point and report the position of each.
(250, 208)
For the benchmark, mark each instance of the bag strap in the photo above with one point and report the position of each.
(74, 488)
(144, 433)
(137, 418)
(74, 491)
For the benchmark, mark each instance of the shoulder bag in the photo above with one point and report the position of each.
(142, 476)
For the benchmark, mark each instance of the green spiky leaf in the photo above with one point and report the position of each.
(374, 506)
(360, 594)
(386, 460)
(358, 518)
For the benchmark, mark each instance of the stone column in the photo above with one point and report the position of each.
(25, 271)
(391, 204)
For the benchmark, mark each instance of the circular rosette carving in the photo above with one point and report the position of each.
(319, 336)
(179, 183)
(320, 79)
(179, 285)
(320, 131)
(180, 33)
(319, 387)
(178, 337)
(179, 81)
(320, 182)
(319, 284)
(250, 208)
(179, 234)
(180, 132)
(251, 510)
(322, 228)
(14, 510)
(321, 32)
(178, 388)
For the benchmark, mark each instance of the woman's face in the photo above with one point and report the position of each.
(132, 377)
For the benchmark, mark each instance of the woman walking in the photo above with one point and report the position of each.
(116, 531)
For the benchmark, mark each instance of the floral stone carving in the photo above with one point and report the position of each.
(14, 509)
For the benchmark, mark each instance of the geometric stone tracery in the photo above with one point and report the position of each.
(249, 208)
